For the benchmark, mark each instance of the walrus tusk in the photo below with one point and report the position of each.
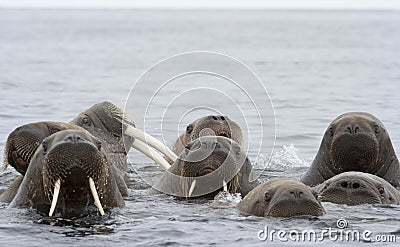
(192, 188)
(56, 192)
(224, 185)
(95, 196)
(151, 141)
(142, 147)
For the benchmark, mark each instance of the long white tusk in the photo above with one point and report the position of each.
(142, 147)
(95, 196)
(151, 141)
(56, 192)
(224, 185)
(192, 188)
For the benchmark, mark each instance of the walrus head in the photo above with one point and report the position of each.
(353, 188)
(70, 175)
(105, 121)
(22, 143)
(206, 166)
(357, 142)
(281, 197)
(214, 125)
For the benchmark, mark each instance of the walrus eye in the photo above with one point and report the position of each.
(86, 121)
(331, 131)
(98, 144)
(381, 190)
(189, 129)
(44, 145)
(267, 196)
(376, 128)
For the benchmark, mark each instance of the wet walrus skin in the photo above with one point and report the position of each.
(208, 126)
(105, 121)
(71, 158)
(354, 188)
(20, 147)
(281, 197)
(205, 167)
(354, 141)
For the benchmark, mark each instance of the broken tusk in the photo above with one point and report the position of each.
(149, 152)
(95, 196)
(56, 192)
(224, 185)
(192, 188)
(151, 141)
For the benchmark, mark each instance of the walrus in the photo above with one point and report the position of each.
(110, 124)
(354, 141)
(281, 197)
(20, 147)
(22, 142)
(69, 175)
(354, 188)
(206, 166)
(208, 126)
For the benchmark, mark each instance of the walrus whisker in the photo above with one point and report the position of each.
(142, 147)
(151, 141)
(95, 196)
(192, 188)
(56, 192)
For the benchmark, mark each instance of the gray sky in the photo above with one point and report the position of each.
(213, 4)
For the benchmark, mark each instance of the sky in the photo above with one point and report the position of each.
(205, 4)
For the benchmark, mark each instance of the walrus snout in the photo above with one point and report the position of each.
(75, 171)
(294, 202)
(351, 190)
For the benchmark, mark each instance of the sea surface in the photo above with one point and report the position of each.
(314, 65)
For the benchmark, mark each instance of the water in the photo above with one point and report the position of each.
(315, 65)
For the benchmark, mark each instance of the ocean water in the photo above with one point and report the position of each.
(315, 65)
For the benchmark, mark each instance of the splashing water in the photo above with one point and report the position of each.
(285, 159)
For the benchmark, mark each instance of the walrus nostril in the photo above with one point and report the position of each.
(223, 118)
(344, 184)
(214, 117)
(74, 138)
(356, 185)
(296, 193)
(349, 129)
(356, 129)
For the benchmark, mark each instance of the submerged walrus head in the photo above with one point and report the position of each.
(22, 143)
(353, 188)
(69, 175)
(281, 197)
(212, 125)
(206, 166)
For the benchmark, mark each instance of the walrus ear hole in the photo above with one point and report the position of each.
(189, 129)
(267, 196)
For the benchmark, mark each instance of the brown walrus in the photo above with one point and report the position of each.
(281, 197)
(206, 166)
(20, 147)
(353, 188)
(22, 142)
(212, 125)
(354, 141)
(69, 175)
